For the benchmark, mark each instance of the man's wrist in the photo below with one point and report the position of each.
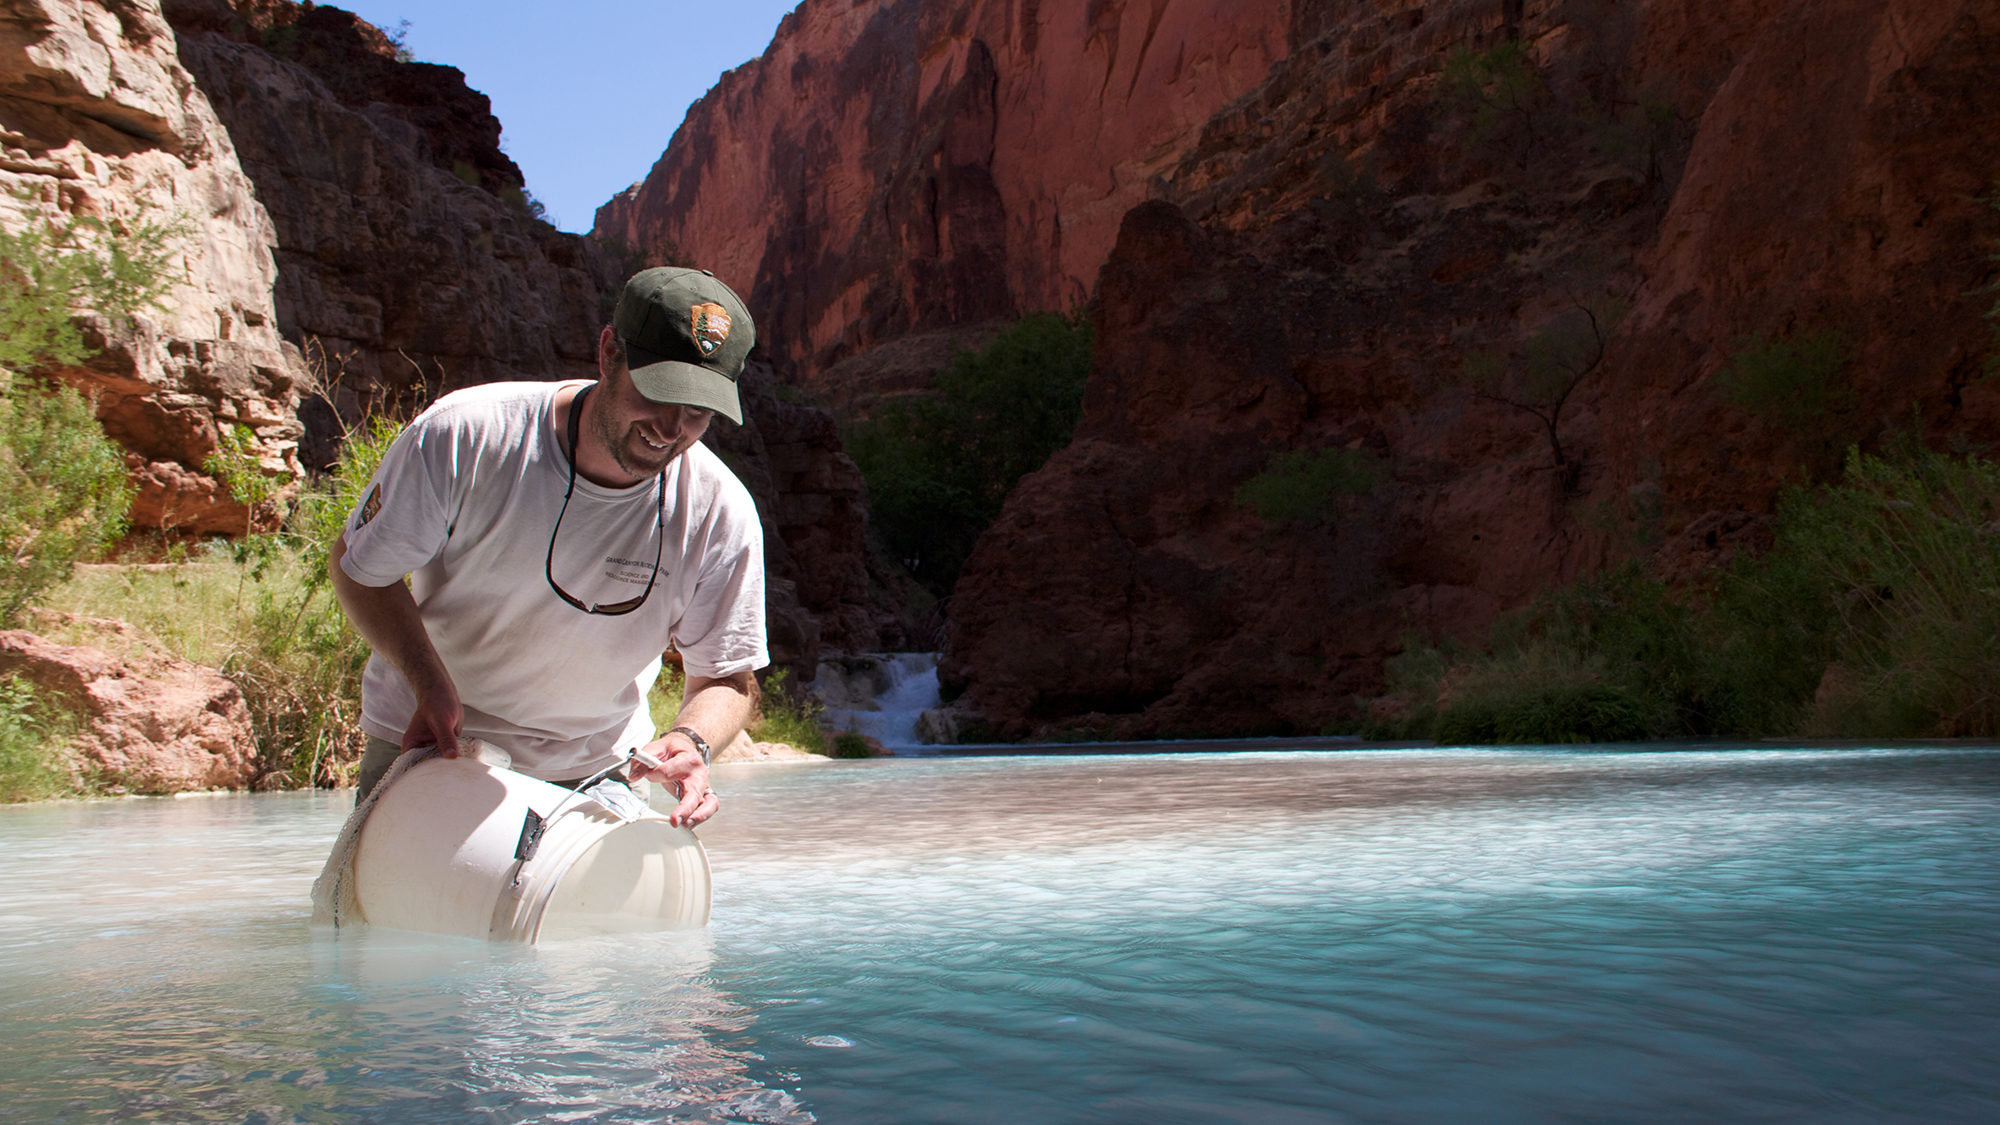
(694, 736)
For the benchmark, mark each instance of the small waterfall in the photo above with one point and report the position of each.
(879, 695)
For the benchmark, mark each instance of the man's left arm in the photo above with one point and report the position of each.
(716, 709)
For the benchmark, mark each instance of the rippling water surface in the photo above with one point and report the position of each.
(1411, 936)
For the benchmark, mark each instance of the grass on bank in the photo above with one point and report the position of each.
(783, 715)
(260, 611)
(265, 620)
(1875, 614)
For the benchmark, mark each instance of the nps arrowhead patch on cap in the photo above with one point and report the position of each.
(710, 324)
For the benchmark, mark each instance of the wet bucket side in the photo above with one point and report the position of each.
(437, 854)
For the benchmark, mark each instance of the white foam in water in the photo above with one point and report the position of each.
(881, 696)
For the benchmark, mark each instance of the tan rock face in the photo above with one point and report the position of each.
(896, 165)
(1331, 252)
(154, 723)
(99, 118)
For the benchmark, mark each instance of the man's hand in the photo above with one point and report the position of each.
(387, 618)
(718, 708)
(685, 775)
(439, 719)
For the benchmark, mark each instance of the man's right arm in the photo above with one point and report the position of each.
(387, 618)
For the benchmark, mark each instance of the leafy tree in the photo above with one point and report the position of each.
(1792, 383)
(939, 466)
(1545, 372)
(63, 488)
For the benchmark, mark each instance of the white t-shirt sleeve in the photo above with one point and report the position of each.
(721, 632)
(404, 516)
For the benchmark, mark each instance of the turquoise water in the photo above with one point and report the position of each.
(1407, 936)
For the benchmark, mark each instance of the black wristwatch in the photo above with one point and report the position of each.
(695, 737)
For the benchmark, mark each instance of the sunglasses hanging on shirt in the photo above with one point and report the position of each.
(604, 609)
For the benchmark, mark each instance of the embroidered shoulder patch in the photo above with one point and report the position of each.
(710, 324)
(370, 506)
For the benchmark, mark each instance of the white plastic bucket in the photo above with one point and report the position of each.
(437, 855)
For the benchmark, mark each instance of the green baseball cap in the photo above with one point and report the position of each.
(686, 336)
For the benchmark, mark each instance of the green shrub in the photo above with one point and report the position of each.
(1794, 384)
(64, 493)
(289, 646)
(235, 463)
(783, 715)
(789, 716)
(848, 744)
(1498, 96)
(31, 731)
(663, 703)
(1549, 715)
(1890, 578)
(1304, 486)
(1638, 136)
(50, 271)
(1908, 547)
(322, 511)
(939, 467)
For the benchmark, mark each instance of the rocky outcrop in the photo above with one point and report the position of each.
(1837, 184)
(152, 723)
(1337, 247)
(409, 263)
(99, 119)
(900, 165)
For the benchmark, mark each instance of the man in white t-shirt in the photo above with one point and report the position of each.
(557, 537)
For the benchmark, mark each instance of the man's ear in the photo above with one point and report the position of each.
(607, 353)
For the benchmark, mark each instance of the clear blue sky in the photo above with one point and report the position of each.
(588, 92)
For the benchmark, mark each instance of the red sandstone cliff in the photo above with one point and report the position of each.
(897, 165)
(1332, 250)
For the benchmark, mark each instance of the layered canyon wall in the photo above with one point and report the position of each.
(1363, 232)
(1343, 248)
(408, 262)
(894, 166)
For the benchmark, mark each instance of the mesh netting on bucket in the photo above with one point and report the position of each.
(334, 903)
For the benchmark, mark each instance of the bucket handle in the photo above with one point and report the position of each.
(535, 824)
